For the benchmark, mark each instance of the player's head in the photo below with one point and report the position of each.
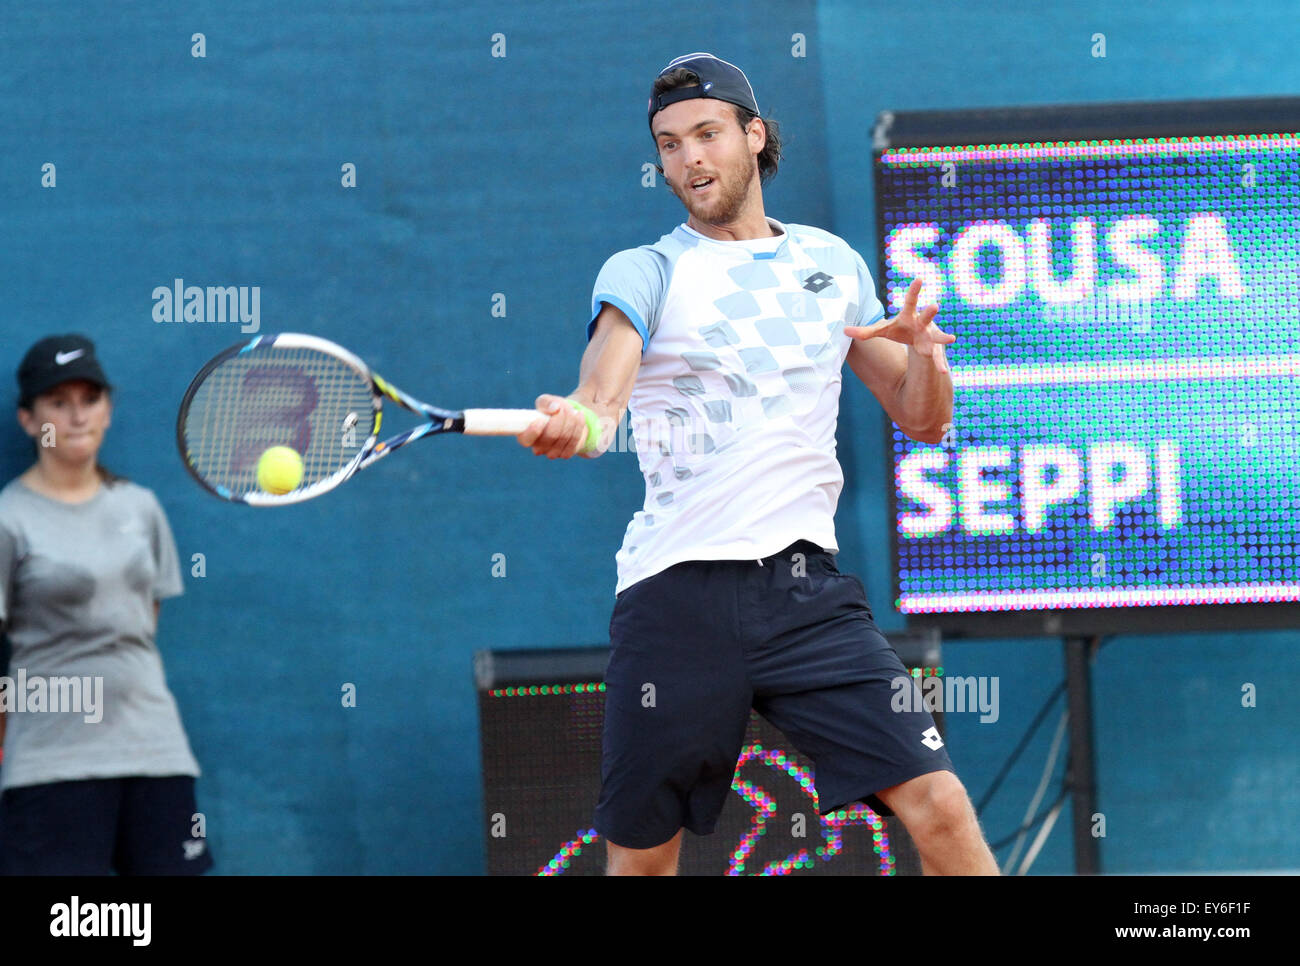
(705, 122)
(63, 398)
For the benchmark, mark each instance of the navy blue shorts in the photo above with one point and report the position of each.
(696, 646)
(131, 826)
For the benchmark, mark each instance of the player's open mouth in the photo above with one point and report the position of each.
(701, 184)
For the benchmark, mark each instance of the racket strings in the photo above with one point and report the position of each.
(277, 396)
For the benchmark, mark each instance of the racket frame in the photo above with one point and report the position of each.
(370, 452)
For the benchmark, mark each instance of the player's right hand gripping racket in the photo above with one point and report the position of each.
(309, 394)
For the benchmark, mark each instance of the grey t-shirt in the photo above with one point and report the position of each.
(78, 583)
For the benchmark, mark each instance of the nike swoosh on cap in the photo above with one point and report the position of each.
(63, 358)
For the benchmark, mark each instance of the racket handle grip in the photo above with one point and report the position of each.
(499, 422)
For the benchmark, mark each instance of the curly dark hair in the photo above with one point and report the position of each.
(768, 159)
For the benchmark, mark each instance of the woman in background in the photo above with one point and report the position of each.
(104, 781)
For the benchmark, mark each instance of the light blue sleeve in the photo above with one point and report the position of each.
(869, 308)
(634, 282)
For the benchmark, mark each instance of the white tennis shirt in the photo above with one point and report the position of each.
(735, 405)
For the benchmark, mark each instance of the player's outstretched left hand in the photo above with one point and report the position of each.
(910, 327)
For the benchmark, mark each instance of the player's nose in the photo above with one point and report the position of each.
(691, 154)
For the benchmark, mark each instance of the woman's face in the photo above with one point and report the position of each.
(69, 421)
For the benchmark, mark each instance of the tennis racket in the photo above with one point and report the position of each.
(311, 395)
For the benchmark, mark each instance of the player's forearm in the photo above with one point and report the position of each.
(924, 399)
(607, 375)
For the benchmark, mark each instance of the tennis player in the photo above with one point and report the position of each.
(726, 339)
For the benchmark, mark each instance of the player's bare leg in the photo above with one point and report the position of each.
(939, 816)
(660, 860)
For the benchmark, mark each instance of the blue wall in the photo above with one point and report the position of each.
(519, 175)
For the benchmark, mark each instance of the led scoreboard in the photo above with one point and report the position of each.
(1124, 285)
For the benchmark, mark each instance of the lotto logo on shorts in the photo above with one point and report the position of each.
(930, 738)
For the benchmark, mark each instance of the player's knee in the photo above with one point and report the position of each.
(950, 806)
(933, 805)
(660, 860)
(641, 865)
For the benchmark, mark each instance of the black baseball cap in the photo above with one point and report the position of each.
(54, 360)
(718, 79)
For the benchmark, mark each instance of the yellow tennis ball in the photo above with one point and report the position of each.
(279, 470)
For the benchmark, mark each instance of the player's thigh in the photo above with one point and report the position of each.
(676, 707)
(660, 774)
(60, 828)
(834, 690)
(675, 668)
